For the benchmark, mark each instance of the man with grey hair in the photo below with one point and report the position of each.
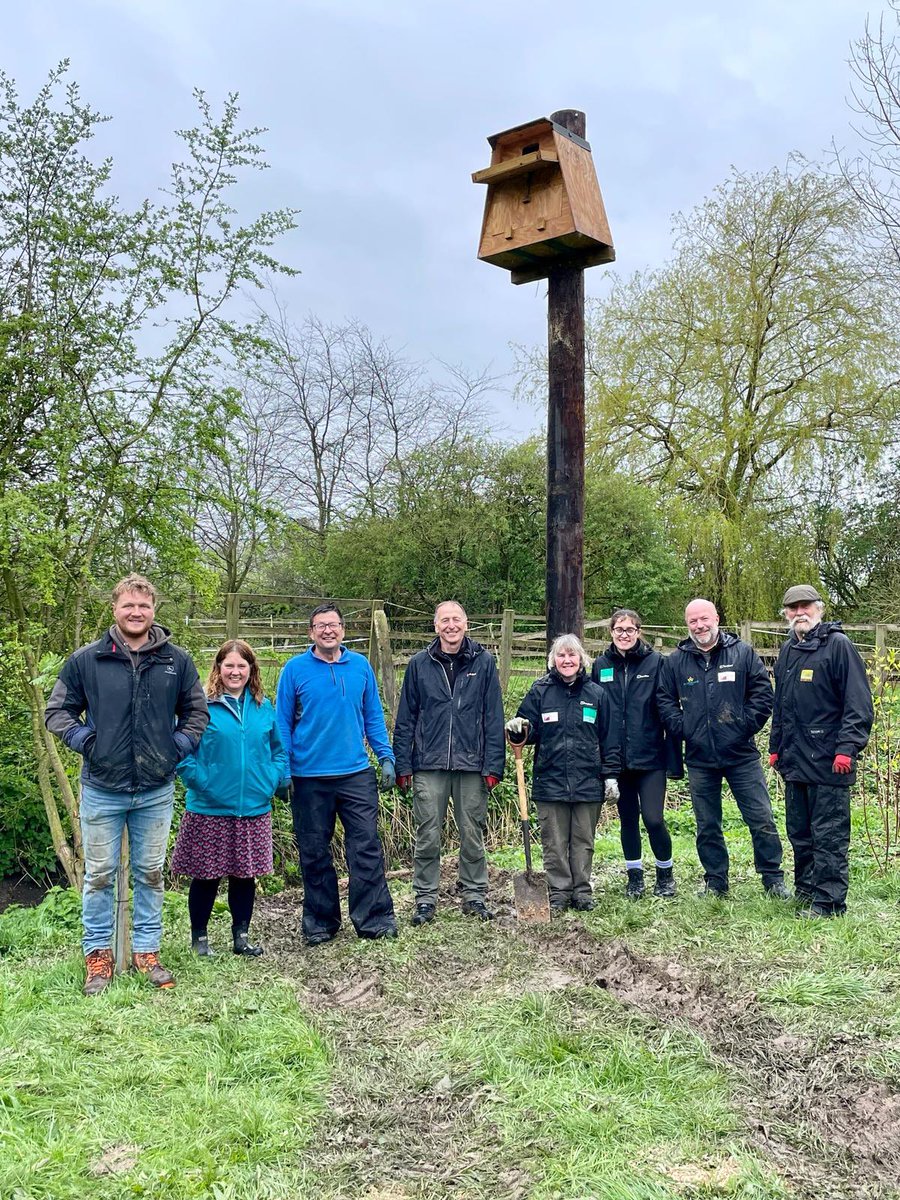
(448, 742)
(822, 720)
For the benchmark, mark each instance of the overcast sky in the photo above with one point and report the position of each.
(378, 111)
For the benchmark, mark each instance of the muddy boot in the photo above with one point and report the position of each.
(241, 942)
(98, 965)
(634, 888)
(665, 882)
(200, 944)
(147, 963)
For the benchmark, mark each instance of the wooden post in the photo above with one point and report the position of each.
(384, 663)
(565, 436)
(232, 615)
(506, 635)
(880, 663)
(122, 937)
(747, 632)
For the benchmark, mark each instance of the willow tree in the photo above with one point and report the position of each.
(762, 349)
(111, 323)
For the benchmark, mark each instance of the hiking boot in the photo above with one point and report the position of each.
(424, 913)
(148, 965)
(383, 931)
(477, 908)
(718, 891)
(665, 882)
(558, 907)
(98, 965)
(318, 939)
(814, 912)
(200, 945)
(241, 942)
(583, 903)
(634, 888)
(778, 891)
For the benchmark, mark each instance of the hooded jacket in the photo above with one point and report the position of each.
(239, 763)
(823, 706)
(131, 719)
(576, 749)
(440, 730)
(630, 681)
(716, 702)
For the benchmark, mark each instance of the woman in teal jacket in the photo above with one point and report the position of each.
(230, 779)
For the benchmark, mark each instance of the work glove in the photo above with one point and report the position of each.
(404, 782)
(843, 764)
(517, 730)
(611, 791)
(773, 759)
(491, 782)
(388, 776)
(284, 791)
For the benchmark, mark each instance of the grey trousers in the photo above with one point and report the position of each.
(567, 838)
(432, 791)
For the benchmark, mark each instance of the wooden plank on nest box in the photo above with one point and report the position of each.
(537, 160)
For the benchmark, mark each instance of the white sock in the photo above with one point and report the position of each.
(664, 865)
(636, 864)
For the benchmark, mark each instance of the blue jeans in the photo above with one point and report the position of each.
(148, 816)
(748, 786)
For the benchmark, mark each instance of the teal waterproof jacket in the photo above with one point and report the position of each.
(239, 763)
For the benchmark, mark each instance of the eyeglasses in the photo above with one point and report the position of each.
(323, 628)
(624, 631)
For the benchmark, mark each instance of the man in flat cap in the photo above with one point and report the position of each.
(822, 718)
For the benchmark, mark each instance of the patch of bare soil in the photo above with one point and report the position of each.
(22, 890)
(829, 1129)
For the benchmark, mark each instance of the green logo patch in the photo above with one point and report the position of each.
(607, 674)
(589, 714)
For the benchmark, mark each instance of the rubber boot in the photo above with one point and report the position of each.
(634, 888)
(665, 882)
(200, 944)
(241, 943)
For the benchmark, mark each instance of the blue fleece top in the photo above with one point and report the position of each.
(328, 711)
(240, 760)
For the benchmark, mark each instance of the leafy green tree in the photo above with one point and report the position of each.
(113, 322)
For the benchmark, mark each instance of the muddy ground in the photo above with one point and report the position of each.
(806, 1105)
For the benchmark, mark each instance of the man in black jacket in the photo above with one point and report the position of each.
(714, 693)
(822, 720)
(449, 741)
(132, 706)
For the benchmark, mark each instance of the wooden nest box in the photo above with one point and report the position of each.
(543, 204)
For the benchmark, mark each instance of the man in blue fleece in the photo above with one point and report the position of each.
(328, 707)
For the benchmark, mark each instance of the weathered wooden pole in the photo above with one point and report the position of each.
(565, 435)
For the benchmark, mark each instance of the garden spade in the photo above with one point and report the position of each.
(529, 886)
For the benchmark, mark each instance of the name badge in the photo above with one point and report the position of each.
(726, 677)
(607, 674)
(806, 675)
(549, 718)
(589, 714)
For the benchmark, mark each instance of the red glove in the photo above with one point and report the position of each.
(773, 759)
(843, 764)
(404, 782)
(491, 781)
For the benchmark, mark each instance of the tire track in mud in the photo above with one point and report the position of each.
(828, 1128)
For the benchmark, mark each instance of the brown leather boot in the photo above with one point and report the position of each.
(149, 965)
(98, 965)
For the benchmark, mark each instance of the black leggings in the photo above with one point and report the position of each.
(202, 896)
(643, 794)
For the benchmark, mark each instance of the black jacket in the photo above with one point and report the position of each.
(437, 730)
(717, 702)
(132, 724)
(576, 749)
(629, 681)
(823, 706)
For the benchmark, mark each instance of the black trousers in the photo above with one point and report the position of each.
(818, 825)
(643, 794)
(748, 786)
(316, 803)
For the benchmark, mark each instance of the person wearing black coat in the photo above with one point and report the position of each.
(628, 674)
(565, 716)
(821, 723)
(714, 692)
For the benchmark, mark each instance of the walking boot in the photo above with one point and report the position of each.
(200, 944)
(148, 964)
(665, 882)
(98, 965)
(634, 888)
(241, 942)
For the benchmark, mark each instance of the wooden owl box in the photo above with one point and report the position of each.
(543, 203)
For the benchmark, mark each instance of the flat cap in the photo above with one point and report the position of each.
(799, 594)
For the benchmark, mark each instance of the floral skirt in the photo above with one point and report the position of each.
(212, 847)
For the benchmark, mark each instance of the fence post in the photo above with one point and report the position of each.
(747, 632)
(880, 664)
(384, 661)
(373, 640)
(121, 937)
(506, 636)
(232, 615)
